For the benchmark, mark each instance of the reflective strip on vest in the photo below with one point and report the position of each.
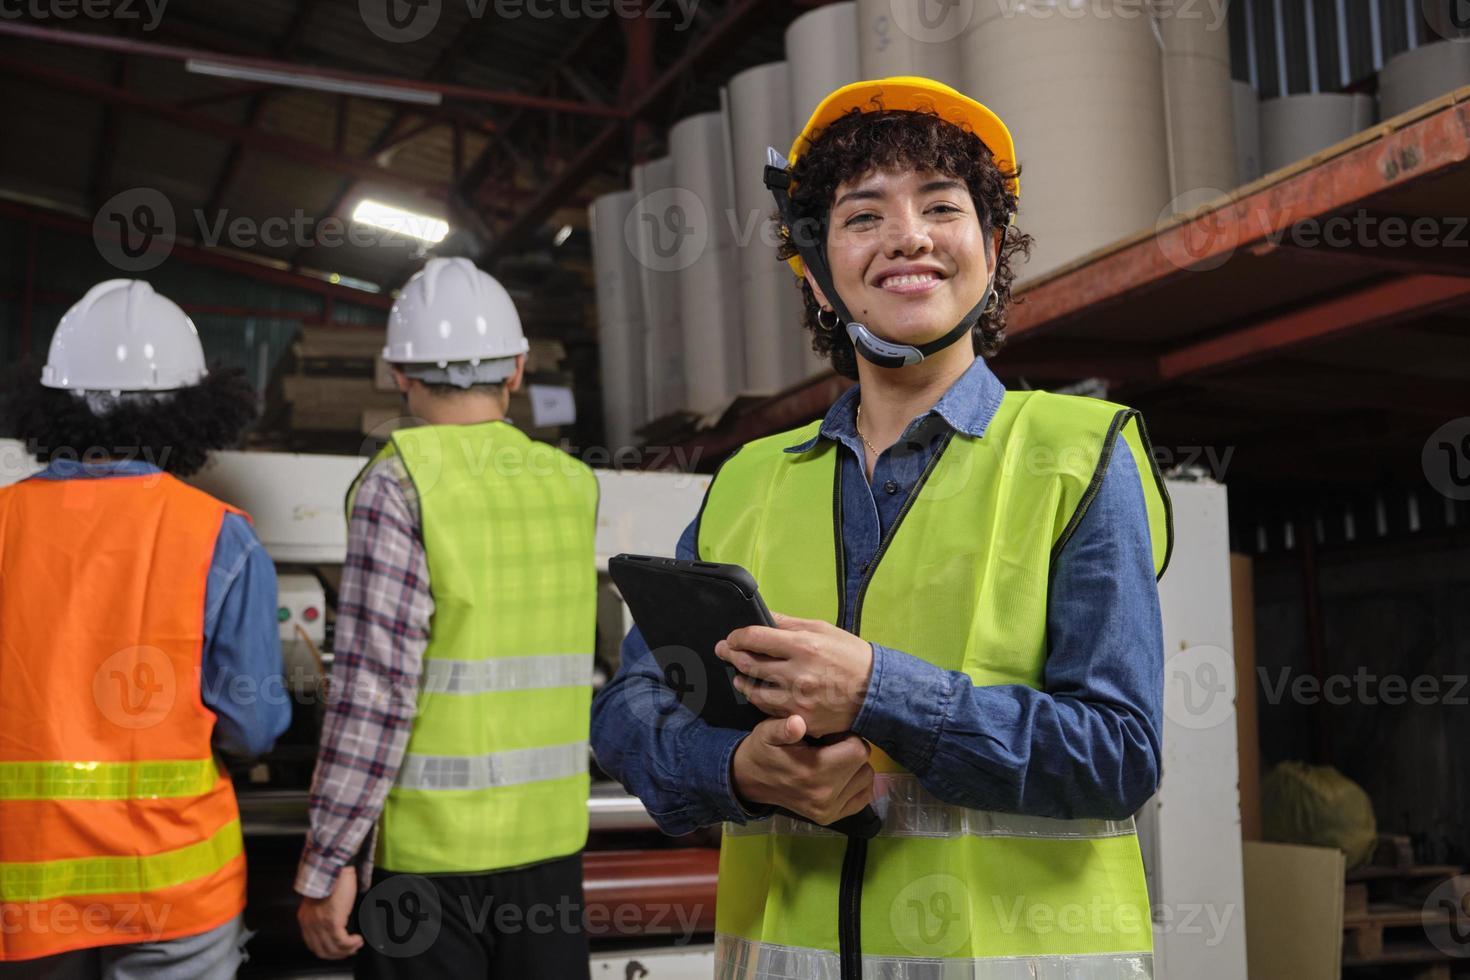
(434, 772)
(106, 780)
(909, 810)
(444, 676)
(41, 881)
(741, 959)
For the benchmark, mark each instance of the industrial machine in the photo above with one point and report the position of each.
(653, 895)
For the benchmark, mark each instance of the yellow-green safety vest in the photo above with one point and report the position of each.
(960, 580)
(495, 774)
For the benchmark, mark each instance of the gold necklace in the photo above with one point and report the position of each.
(859, 426)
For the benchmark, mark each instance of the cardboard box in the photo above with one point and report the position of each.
(1293, 911)
(1247, 724)
(343, 342)
(523, 416)
(545, 355)
(330, 402)
(552, 405)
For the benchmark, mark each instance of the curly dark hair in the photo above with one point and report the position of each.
(861, 142)
(176, 434)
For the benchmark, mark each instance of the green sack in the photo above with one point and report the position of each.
(1317, 805)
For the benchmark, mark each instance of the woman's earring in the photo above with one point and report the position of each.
(824, 324)
(992, 306)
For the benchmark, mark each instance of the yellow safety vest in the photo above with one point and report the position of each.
(960, 580)
(496, 770)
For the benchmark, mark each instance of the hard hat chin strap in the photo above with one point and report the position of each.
(813, 251)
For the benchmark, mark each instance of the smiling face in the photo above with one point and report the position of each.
(907, 252)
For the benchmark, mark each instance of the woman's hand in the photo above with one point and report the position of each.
(823, 783)
(803, 667)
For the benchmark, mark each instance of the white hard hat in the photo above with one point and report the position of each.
(451, 311)
(122, 336)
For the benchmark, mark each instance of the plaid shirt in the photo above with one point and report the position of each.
(383, 613)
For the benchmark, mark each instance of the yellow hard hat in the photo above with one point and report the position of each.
(914, 94)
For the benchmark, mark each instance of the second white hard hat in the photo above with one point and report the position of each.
(451, 311)
(122, 336)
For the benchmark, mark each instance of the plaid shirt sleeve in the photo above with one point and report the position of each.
(383, 613)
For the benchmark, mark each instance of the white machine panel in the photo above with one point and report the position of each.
(657, 963)
(295, 500)
(1190, 830)
(302, 616)
(644, 513)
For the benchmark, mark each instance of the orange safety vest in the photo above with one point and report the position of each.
(117, 824)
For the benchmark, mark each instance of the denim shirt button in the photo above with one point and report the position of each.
(890, 487)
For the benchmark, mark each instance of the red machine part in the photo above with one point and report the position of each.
(650, 893)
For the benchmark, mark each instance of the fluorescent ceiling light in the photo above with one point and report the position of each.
(421, 226)
(322, 83)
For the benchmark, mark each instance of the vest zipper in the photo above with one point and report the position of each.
(849, 909)
(855, 857)
(837, 539)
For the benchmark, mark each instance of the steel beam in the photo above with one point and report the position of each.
(256, 109)
(478, 172)
(209, 258)
(1377, 305)
(463, 93)
(107, 138)
(594, 155)
(268, 142)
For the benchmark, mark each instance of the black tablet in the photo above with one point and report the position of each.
(683, 608)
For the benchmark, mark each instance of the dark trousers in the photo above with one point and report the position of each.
(506, 925)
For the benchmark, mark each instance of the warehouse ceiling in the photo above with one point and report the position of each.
(542, 104)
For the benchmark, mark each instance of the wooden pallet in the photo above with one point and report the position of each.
(1368, 933)
(1386, 925)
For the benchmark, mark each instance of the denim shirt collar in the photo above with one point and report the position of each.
(967, 408)
(71, 469)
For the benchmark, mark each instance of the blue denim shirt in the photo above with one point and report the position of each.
(240, 680)
(1086, 745)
